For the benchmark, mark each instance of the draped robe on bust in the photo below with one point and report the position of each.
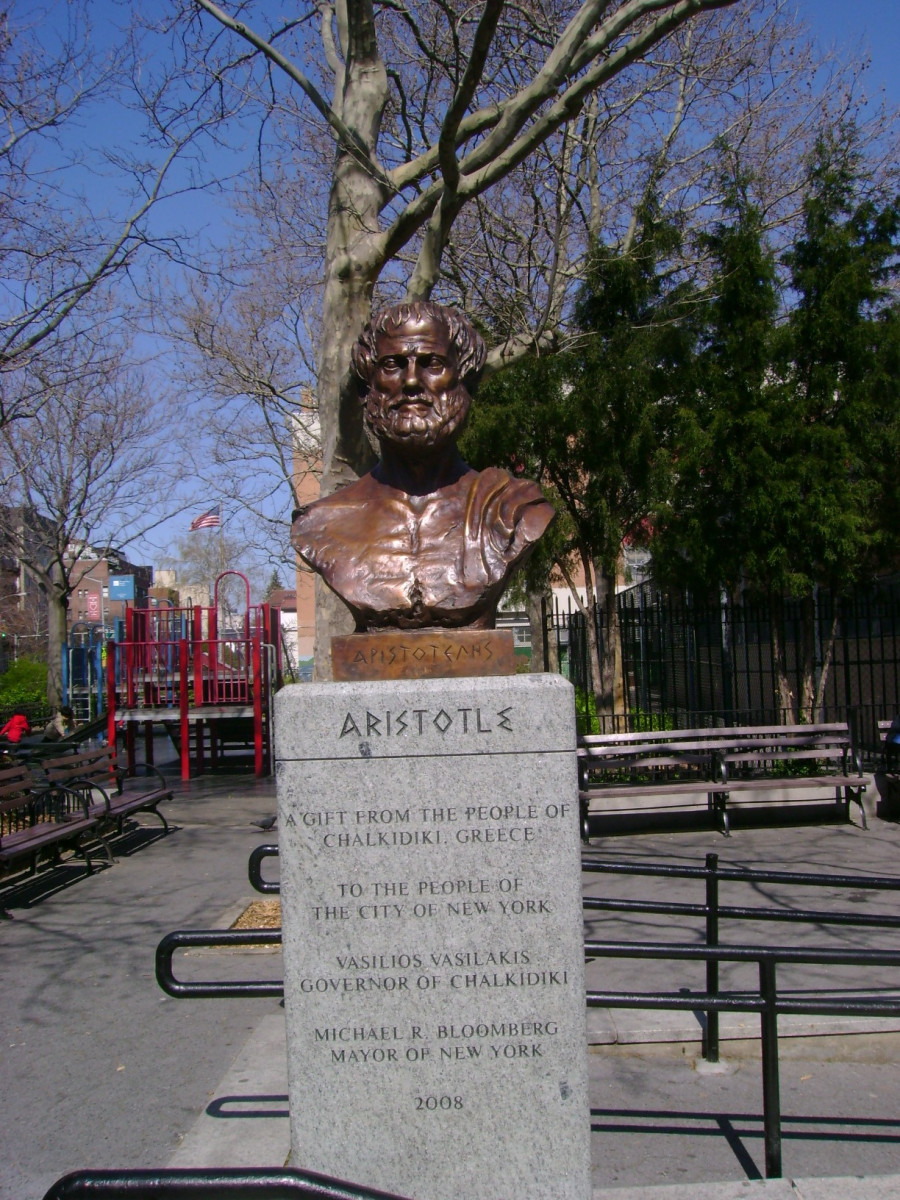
(413, 562)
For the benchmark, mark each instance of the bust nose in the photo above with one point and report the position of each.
(411, 381)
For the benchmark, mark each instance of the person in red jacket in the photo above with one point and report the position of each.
(16, 727)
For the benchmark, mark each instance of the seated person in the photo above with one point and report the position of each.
(62, 724)
(16, 727)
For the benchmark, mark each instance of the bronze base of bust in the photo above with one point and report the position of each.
(422, 654)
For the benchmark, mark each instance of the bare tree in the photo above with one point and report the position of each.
(76, 209)
(23, 618)
(240, 350)
(88, 476)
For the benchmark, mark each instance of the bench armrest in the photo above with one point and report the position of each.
(83, 788)
(56, 793)
(153, 772)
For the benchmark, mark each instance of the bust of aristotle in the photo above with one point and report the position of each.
(422, 541)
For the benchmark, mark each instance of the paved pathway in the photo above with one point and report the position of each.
(99, 1070)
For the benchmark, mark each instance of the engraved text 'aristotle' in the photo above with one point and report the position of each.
(416, 721)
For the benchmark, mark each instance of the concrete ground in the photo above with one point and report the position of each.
(98, 1069)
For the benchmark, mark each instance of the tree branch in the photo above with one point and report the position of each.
(350, 141)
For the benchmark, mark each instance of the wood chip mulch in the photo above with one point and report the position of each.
(261, 914)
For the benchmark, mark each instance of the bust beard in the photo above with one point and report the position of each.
(395, 425)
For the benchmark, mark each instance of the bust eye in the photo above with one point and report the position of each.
(436, 365)
(388, 364)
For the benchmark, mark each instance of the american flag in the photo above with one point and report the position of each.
(208, 520)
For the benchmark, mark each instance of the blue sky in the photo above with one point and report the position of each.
(876, 23)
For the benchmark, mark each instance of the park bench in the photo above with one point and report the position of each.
(805, 760)
(722, 764)
(887, 774)
(660, 763)
(886, 758)
(37, 821)
(109, 792)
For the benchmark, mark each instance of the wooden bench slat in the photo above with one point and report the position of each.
(795, 781)
(696, 787)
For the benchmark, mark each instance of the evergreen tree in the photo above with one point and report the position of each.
(841, 346)
(726, 448)
(840, 341)
(783, 475)
(590, 424)
(274, 584)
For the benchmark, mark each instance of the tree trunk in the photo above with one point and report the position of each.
(346, 450)
(827, 659)
(783, 694)
(544, 648)
(351, 268)
(605, 601)
(808, 666)
(57, 631)
(602, 665)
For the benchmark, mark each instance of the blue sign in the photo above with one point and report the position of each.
(121, 587)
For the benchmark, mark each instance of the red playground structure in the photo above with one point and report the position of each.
(211, 691)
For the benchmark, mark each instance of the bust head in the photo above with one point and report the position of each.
(416, 364)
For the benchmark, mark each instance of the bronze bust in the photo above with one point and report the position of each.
(423, 540)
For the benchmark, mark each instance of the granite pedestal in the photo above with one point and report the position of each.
(433, 944)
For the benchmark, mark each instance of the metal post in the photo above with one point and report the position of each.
(257, 707)
(200, 693)
(727, 663)
(96, 653)
(771, 1094)
(545, 633)
(111, 694)
(183, 710)
(712, 966)
(642, 634)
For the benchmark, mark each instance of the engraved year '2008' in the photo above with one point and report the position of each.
(436, 1103)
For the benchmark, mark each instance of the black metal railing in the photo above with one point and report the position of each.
(222, 1183)
(220, 939)
(766, 1001)
(254, 870)
(712, 911)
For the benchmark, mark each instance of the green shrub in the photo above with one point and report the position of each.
(24, 683)
(644, 722)
(24, 686)
(586, 712)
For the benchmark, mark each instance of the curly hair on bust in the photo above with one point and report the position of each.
(465, 339)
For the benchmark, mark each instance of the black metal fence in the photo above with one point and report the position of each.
(688, 662)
